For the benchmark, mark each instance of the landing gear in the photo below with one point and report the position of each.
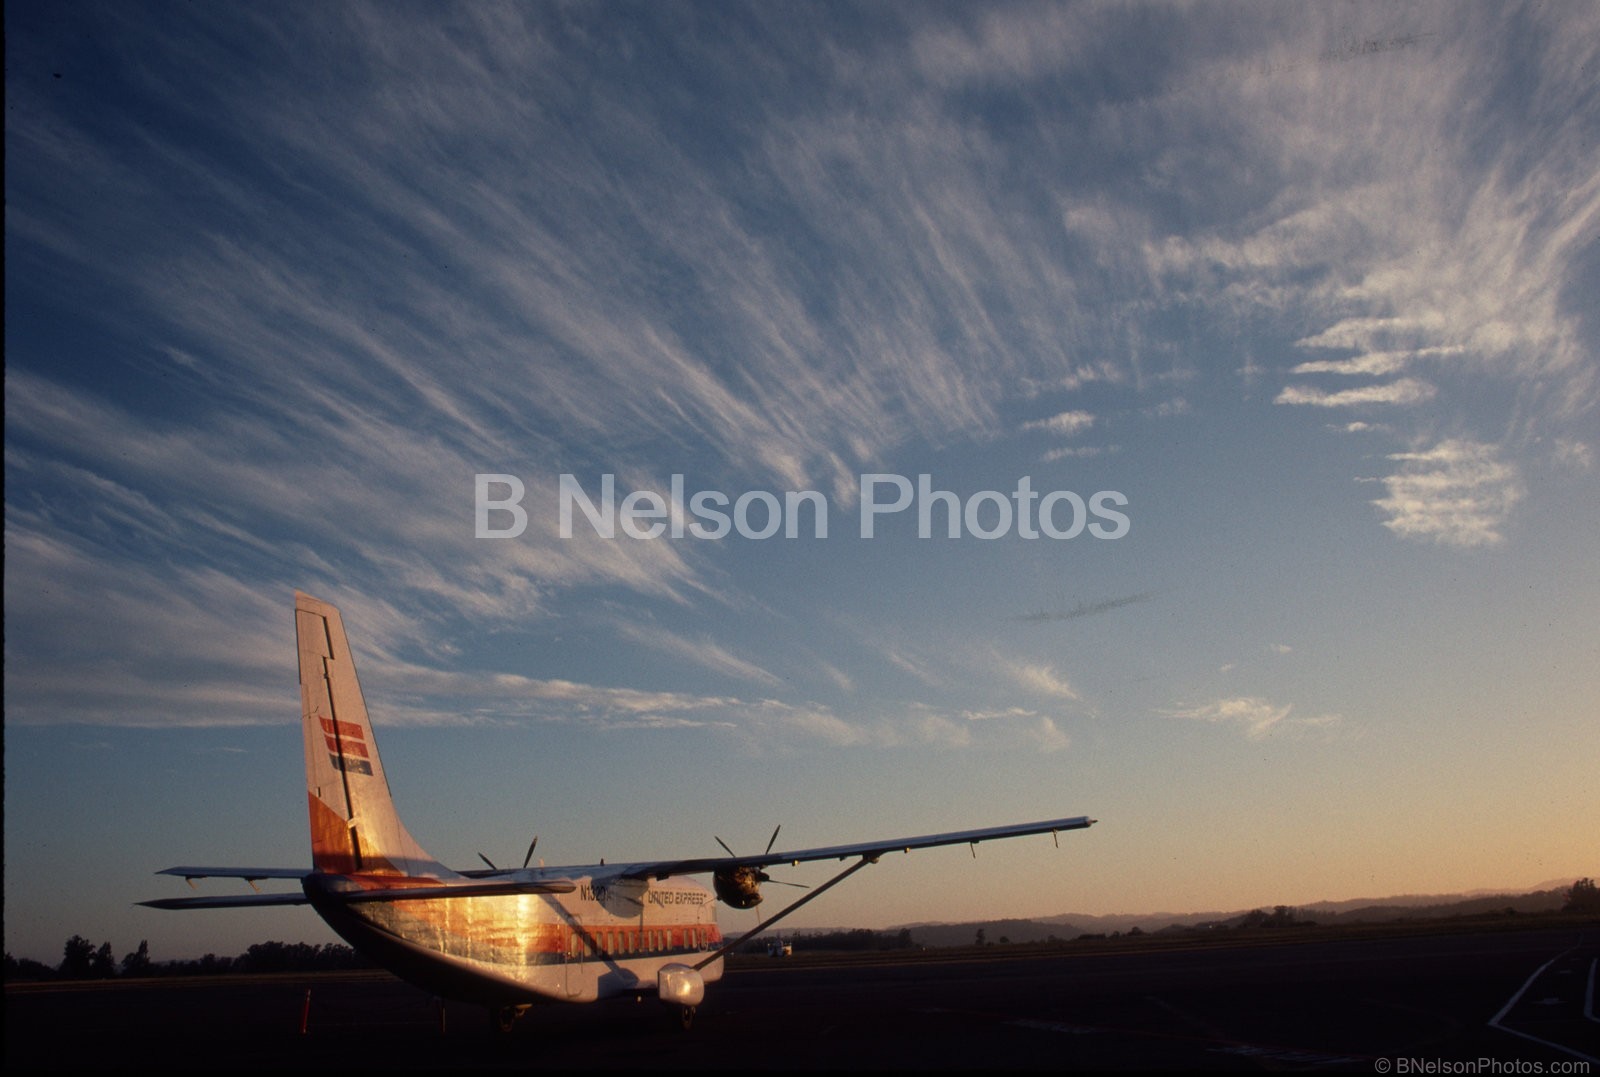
(504, 1018)
(686, 1015)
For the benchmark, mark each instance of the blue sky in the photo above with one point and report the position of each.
(1310, 286)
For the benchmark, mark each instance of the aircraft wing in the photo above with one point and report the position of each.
(338, 888)
(870, 850)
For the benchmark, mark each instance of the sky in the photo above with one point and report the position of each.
(1249, 352)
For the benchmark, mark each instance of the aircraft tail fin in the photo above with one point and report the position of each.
(354, 825)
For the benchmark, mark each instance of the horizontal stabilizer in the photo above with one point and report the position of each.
(349, 894)
(235, 901)
(237, 873)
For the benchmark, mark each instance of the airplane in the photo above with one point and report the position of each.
(507, 938)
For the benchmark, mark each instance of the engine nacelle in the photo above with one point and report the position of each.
(739, 887)
(680, 985)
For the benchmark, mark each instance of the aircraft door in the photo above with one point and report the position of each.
(574, 957)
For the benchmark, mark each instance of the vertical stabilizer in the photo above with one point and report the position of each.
(354, 827)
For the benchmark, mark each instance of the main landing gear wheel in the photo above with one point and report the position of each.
(686, 1015)
(504, 1018)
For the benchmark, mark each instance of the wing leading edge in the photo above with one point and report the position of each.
(869, 850)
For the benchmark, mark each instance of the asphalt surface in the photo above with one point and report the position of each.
(1505, 1002)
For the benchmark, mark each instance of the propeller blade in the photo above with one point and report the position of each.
(531, 845)
(486, 860)
(774, 839)
(724, 845)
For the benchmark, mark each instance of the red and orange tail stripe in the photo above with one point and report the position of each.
(345, 743)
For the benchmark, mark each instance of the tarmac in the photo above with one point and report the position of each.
(1518, 1001)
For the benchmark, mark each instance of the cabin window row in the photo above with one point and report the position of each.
(632, 940)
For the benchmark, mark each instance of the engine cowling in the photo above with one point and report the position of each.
(681, 985)
(739, 887)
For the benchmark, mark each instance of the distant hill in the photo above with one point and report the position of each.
(1068, 926)
(1430, 907)
(935, 935)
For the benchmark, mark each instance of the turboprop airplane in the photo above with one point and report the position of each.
(507, 938)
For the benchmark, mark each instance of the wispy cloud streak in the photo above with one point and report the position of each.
(1087, 609)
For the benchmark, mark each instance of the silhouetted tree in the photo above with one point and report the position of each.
(212, 964)
(25, 968)
(77, 958)
(856, 938)
(138, 962)
(102, 966)
(1582, 897)
(1280, 916)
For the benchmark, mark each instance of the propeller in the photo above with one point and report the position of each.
(525, 860)
(741, 886)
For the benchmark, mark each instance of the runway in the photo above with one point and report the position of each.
(1504, 1002)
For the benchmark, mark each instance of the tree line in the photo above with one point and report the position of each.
(82, 960)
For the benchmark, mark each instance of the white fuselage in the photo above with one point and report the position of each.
(594, 943)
